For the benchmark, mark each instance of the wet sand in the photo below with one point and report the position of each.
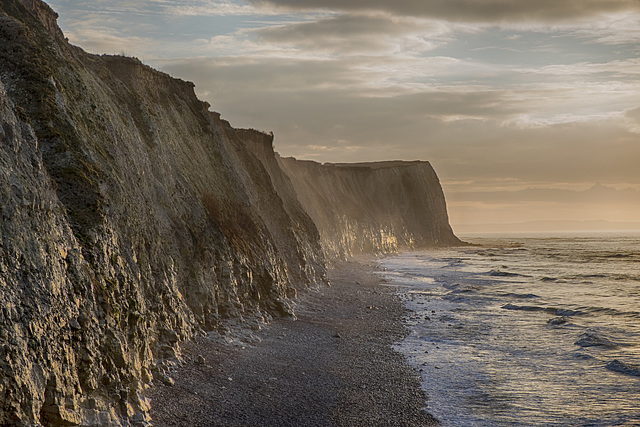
(333, 366)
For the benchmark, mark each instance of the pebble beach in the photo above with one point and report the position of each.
(332, 366)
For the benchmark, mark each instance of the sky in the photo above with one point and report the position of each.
(527, 110)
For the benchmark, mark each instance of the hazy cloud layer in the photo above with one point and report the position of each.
(345, 33)
(472, 10)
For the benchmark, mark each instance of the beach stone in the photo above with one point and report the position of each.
(165, 379)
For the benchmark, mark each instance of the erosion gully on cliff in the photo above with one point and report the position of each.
(133, 218)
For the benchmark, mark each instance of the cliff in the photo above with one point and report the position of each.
(133, 218)
(130, 221)
(372, 207)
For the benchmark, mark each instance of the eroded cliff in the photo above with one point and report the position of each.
(372, 207)
(130, 221)
(133, 218)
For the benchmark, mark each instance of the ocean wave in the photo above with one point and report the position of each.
(633, 278)
(556, 321)
(500, 273)
(593, 339)
(553, 310)
(510, 306)
(584, 356)
(620, 255)
(457, 292)
(624, 368)
(453, 262)
(455, 298)
(547, 279)
(567, 312)
(611, 311)
(589, 278)
(515, 295)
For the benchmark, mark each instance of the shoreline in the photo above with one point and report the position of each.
(333, 366)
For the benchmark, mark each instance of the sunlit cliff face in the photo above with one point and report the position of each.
(501, 96)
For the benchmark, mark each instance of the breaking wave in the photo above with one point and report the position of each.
(624, 368)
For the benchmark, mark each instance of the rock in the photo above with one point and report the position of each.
(141, 419)
(169, 352)
(143, 404)
(170, 336)
(146, 376)
(59, 415)
(74, 325)
(165, 379)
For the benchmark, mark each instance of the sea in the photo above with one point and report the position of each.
(525, 330)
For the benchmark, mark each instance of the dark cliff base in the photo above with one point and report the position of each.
(333, 366)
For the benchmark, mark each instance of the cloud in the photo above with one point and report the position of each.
(201, 8)
(619, 69)
(217, 8)
(612, 30)
(112, 7)
(347, 33)
(492, 11)
(346, 81)
(634, 114)
(104, 40)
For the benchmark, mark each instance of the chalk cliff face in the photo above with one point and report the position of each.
(132, 218)
(372, 207)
